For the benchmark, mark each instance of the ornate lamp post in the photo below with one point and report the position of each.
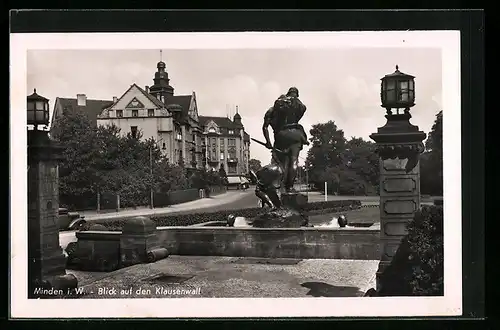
(399, 144)
(46, 261)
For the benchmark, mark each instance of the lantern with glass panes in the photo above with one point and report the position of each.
(398, 92)
(37, 110)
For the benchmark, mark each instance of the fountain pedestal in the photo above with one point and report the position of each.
(289, 215)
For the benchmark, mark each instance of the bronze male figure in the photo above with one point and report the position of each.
(289, 139)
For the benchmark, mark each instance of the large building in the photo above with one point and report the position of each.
(225, 143)
(90, 108)
(172, 121)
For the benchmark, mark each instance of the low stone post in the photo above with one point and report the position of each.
(139, 243)
(97, 249)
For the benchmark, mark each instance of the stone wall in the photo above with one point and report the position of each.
(313, 243)
(141, 242)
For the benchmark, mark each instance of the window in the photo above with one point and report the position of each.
(119, 113)
(164, 146)
(231, 168)
(405, 91)
(231, 132)
(151, 112)
(222, 156)
(222, 141)
(232, 142)
(179, 136)
(133, 131)
(135, 113)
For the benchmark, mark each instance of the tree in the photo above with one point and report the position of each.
(254, 164)
(327, 144)
(222, 175)
(431, 161)
(78, 169)
(100, 160)
(361, 158)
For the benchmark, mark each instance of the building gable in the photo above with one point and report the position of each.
(211, 127)
(135, 104)
(134, 98)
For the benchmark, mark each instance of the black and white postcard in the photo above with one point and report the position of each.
(245, 174)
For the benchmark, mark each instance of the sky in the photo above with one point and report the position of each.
(339, 84)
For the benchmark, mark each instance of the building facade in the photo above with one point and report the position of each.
(173, 121)
(225, 144)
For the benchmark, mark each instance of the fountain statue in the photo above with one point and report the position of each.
(275, 182)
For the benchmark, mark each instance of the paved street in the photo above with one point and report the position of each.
(232, 200)
(229, 277)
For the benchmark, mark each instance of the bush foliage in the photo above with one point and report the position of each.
(417, 268)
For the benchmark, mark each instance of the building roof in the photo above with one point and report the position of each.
(220, 121)
(92, 109)
(183, 100)
(149, 96)
(246, 137)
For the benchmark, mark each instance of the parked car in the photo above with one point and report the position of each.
(70, 220)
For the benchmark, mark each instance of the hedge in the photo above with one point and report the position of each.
(195, 218)
(417, 267)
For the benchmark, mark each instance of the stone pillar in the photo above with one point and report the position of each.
(399, 145)
(138, 242)
(46, 261)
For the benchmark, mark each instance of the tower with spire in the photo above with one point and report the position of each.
(161, 88)
(237, 119)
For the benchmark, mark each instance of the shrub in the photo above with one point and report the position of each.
(195, 218)
(417, 268)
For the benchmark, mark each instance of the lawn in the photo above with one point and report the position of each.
(362, 215)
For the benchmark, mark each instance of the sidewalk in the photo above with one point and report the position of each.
(226, 198)
(233, 277)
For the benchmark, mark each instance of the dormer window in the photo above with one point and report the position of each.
(135, 113)
(151, 112)
(119, 113)
(231, 132)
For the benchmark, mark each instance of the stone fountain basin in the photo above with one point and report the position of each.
(214, 238)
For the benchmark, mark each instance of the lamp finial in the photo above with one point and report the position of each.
(34, 90)
(397, 67)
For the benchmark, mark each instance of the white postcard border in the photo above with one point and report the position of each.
(449, 304)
